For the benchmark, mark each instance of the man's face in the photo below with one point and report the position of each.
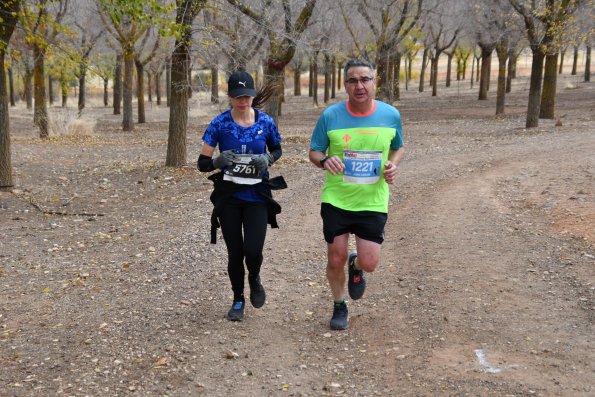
(360, 85)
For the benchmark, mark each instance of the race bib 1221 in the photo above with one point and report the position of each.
(362, 166)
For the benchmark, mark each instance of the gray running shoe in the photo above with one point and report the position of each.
(257, 293)
(340, 316)
(236, 313)
(356, 283)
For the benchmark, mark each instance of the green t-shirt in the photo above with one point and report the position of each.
(363, 143)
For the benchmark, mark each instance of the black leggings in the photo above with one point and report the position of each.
(244, 227)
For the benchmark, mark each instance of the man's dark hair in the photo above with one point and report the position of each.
(355, 62)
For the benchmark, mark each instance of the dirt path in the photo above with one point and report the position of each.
(481, 281)
(486, 284)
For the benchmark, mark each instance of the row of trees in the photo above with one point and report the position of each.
(120, 39)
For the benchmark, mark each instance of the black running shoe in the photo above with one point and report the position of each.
(257, 294)
(236, 313)
(357, 282)
(340, 316)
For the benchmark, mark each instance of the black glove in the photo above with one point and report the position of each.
(261, 162)
(225, 159)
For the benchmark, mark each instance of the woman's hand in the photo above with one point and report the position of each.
(225, 159)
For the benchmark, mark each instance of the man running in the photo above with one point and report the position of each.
(359, 144)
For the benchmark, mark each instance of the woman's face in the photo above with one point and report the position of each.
(241, 103)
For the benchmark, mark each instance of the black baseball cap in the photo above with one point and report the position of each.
(239, 84)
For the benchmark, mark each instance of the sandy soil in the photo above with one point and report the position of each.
(109, 286)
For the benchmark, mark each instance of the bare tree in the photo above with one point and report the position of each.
(8, 16)
(496, 25)
(390, 21)
(426, 55)
(141, 59)
(186, 12)
(442, 28)
(87, 38)
(283, 29)
(118, 89)
(237, 38)
(588, 64)
(487, 33)
(127, 22)
(543, 23)
(102, 66)
(229, 37)
(41, 20)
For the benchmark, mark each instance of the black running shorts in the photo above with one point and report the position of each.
(368, 225)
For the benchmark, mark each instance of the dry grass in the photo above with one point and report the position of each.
(66, 121)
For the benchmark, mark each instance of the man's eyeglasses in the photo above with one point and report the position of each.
(363, 80)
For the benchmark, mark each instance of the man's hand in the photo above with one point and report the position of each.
(390, 172)
(225, 159)
(334, 165)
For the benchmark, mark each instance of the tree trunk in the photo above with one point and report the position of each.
(486, 59)
(489, 74)
(574, 60)
(459, 68)
(327, 77)
(28, 83)
(105, 91)
(179, 89)
(281, 83)
(431, 70)
(158, 87)
(82, 74)
(5, 156)
(588, 64)
(149, 88)
(297, 85)
(9, 21)
(548, 93)
(339, 75)
(406, 67)
(310, 79)
(190, 88)
(390, 78)
(117, 94)
(409, 68)
(214, 84)
(11, 87)
(40, 113)
(140, 90)
(168, 81)
(51, 89)
(511, 70)
(502, 52)
(435, 59)
(333, 77)
(382, 76)
(396, 77)
(64, 90)
(315, 82)
(561, 65)
(535, 88)
(179, 94)
(514, 59)
(477, 68)
(127, 117)
(472, 71)
(422, 73)
(448, 68)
